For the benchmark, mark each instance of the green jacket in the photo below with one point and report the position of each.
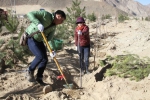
(45, 18)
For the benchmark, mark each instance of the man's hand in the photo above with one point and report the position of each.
(40, 27)
(52, 54)
(76, 48)
(79, 32)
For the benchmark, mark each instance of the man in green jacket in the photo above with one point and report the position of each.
(39, 21)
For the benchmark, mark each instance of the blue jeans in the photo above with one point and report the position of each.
(84, 57)
(39, 51)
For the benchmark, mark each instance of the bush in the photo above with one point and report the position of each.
(91, 17)
(147, 18)
(108, 16)
(128, 66)
(122, 18)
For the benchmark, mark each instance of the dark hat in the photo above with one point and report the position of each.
(80, 20)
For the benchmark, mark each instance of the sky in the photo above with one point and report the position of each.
(144, 2)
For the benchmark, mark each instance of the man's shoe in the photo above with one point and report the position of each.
(82, 73)
(40, 81)
(87, 72)
(30, 76)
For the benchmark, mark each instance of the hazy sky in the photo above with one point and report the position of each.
(144, 2)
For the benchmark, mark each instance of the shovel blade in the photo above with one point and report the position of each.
(69, 86)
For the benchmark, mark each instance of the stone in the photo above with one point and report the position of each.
(47, 89)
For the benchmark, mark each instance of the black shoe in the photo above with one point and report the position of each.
(30, 76)
(82, 73)
(40, 81)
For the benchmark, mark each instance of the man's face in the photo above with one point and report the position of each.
(58, 19)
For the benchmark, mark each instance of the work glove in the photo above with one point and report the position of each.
(76, 48)
(52, 54)
(40, 27)
(79, 32)
(61, 77)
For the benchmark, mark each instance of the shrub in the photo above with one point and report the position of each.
(128, 66)
(147, 18)
(108, 16)
(12, 52)
(122, 18)
(91, 17)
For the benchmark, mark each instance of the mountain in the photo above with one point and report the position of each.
(130, 6)
(148, 5)
(99, 7)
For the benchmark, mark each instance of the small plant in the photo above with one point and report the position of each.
(12, 52)
(73, 13)
(136, 18)
(91, 17)
(147, 18)
(122, 18)
(12, 22)
(128, 66)
(108, 16)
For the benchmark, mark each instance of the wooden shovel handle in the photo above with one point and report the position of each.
(54, 58)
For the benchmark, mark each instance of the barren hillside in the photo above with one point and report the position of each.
(130, 6)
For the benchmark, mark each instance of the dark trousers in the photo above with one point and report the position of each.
(39, 51)
(84, 57)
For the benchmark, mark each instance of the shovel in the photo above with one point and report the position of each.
(54, 58)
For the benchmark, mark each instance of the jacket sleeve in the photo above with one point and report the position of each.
(35, 16)
(76, 37)
(85, 30)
